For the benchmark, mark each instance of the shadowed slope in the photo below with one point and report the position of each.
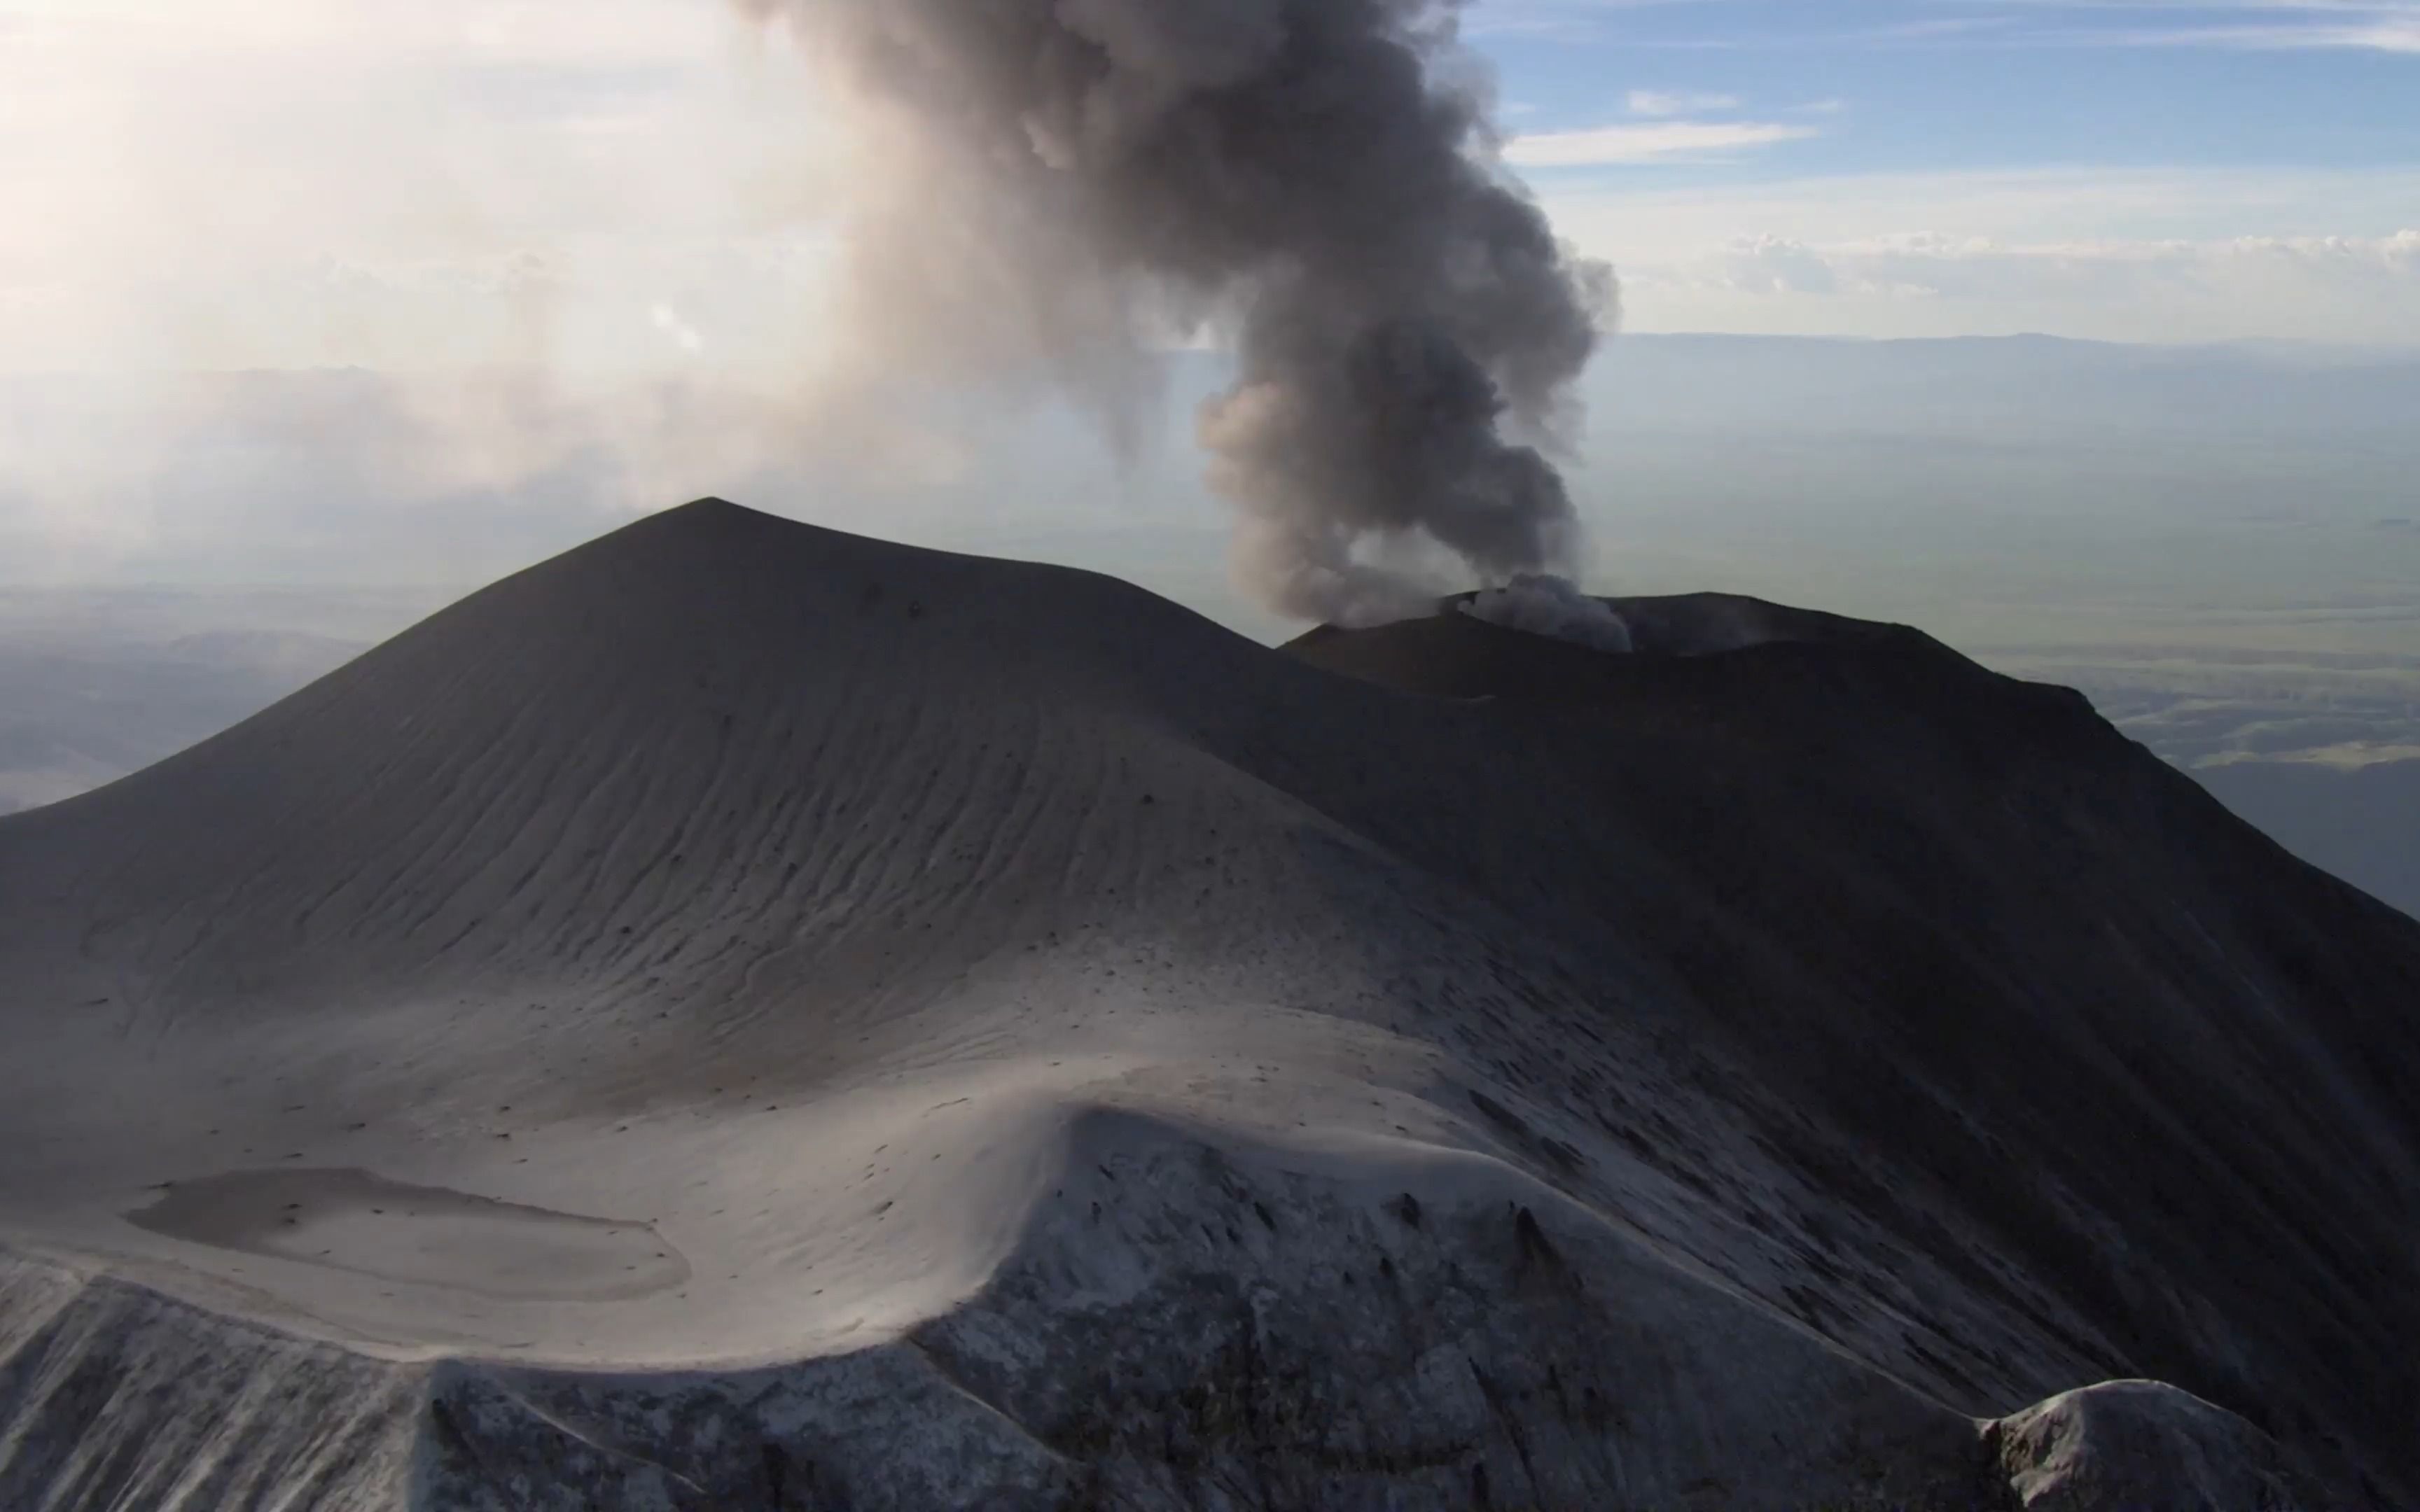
(2066, 992)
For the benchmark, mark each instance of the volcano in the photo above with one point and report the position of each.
(742, 1016)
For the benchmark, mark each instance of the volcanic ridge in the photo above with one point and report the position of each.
(742, 1016)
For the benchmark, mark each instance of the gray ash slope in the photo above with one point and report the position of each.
(744, 1016)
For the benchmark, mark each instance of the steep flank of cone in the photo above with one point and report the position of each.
(1998, 895)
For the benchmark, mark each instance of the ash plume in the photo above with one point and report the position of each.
(1062, 184)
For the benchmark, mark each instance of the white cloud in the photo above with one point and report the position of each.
(2381, 34)
(1937, 267)
(1936, 27)
(2179, 255)
(682, 334)
(183, 175)
(1611, 145)
(2251, 25)
(2262, 26)
(1771, 265)
(1660, 102)
(1664, 221)
(2346, 289)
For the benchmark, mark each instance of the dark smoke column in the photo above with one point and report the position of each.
(1077, 177)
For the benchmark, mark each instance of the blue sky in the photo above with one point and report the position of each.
(2131, 171)
(1947, 84)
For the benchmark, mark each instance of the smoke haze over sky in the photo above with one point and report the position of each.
(622, 215)
(236, 183)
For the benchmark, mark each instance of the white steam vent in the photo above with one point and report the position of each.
(1543, 604)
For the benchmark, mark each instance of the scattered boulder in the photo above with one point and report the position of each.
(2142, 1446)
